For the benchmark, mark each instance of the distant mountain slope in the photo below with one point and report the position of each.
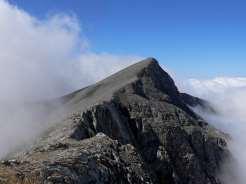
(132, 127)
(197, 102)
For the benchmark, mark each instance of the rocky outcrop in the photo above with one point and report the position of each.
(133, 127)
(195, 102)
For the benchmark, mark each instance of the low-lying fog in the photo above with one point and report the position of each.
(228, 96)
(42, 59)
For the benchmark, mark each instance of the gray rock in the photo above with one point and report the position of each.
(197, 102)
(132, 127)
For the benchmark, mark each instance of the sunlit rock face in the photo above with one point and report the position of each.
(132, 127)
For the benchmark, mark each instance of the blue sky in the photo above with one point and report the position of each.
(195, 38)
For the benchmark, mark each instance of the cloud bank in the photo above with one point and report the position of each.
(228, 96)
(42, 59)
(48, 57)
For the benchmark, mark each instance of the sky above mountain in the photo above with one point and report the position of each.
(204, 38)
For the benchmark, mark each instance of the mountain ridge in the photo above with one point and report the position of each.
(126, 76)
(132, 127)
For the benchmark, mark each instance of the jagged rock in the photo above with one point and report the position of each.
(132, 127)
(197, 102)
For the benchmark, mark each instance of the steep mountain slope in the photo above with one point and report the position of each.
(132, 127)
(195, 102)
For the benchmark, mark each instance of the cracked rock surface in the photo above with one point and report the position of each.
(132, 127)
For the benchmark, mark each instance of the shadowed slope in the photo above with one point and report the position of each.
(132, 127)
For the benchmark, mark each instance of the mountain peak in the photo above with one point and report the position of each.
(145, 77)
(134, 119)
(135, 69)
(146, 62)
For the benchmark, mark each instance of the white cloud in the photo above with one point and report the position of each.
(228, 95)
(94, 67)
(34, 54)
(227, 90)
(217, 84)
(46, 57)
(43, 59)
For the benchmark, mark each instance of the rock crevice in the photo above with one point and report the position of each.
(133, 127)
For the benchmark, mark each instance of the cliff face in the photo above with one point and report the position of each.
(132, 127)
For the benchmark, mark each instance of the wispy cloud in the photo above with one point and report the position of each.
(43, 59)
(47, 57)
(228, 95)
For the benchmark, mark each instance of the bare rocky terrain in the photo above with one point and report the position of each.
(130, 128)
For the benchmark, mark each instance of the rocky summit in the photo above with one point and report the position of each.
(130, 128)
